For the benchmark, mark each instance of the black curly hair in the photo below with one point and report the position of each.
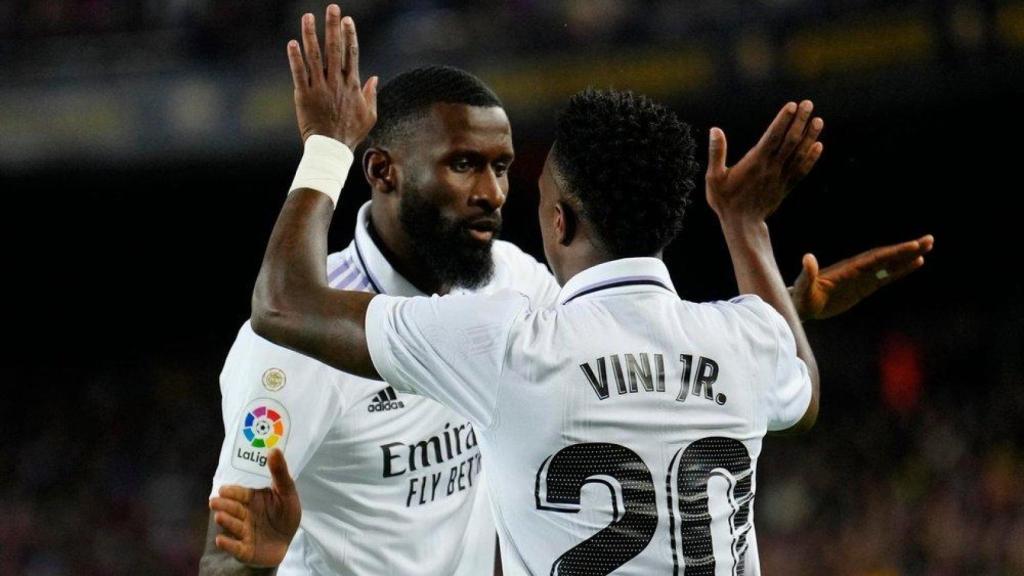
(630, 164)
(408, 96)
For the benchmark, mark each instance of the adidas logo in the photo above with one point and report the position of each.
(385, 400)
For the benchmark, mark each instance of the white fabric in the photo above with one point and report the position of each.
(519, 376)
(366, 510)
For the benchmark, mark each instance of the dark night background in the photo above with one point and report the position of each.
(129, 273)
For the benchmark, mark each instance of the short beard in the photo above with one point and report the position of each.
(443, 246)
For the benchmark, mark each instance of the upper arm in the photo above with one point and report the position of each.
(272, 397)
(528, 276)
(787, 392)
(450, 348)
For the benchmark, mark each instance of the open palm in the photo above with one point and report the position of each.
(822, 294)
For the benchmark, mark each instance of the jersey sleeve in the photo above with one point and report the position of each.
(272, 397)
(448, 348)
(786, 396)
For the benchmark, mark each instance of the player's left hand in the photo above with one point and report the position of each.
(328, 98)
(753, 188)
(259, 524)
(822, 294)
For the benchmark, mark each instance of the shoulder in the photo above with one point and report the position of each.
(335, 259)
(519, 271)
(756, 310)
(511, 258)
(458, 308)
(510, 254)
(345, 271)
(745, 308)
(747, 319)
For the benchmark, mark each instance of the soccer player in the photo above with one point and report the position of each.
(361, 452)
(559, 368)
(389, 480)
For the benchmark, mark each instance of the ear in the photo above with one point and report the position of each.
(565, 223)
(379, 170)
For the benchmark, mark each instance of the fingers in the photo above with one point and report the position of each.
(810, 264)
(927, 242)
(773, 136)
(234, 492)
(900, 270)
(229, 506)
(230, 524)
(716, 152)
(897, 260)
(231, 546)
(350, 63)
(332, 43)
(283, 483)
(808, 151)
(808, 161)
(795, 133)
(886, 255)
(311, 46)
(370, 94)
(299, 76)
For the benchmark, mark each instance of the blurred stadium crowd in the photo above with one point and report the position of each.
(197, 31)
(916, 464)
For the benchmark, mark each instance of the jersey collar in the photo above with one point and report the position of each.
(384, 279)
(633, 273)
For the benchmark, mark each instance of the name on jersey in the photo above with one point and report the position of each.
(455, 446)
(645, 372)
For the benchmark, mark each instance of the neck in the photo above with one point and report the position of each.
(394, 244)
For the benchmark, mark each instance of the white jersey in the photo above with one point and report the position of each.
(388, 481)
(621, 428)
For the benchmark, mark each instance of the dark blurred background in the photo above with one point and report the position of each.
(146, 147)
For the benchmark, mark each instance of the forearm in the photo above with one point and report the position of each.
(793, 297)
(292, 304)
(757, 273)
(293, 272)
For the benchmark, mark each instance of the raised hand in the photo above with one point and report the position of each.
(755, 186)
(259, 524)
(822, 294)
(328, 98)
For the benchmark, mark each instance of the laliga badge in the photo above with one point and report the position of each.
(264, 424)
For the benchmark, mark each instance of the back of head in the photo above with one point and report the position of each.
(629, 164)
(409, 96)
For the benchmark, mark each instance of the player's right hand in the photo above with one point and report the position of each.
(259, 524)
(328, 98)
(753, 188)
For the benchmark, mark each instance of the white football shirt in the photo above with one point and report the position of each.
(621, 428)
(388, 481)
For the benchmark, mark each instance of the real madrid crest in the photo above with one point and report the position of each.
(274, 379)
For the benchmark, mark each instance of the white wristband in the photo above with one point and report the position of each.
(324, 166)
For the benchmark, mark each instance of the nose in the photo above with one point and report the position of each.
(489, 192)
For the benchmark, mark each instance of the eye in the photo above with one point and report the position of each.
(501, 168)
(461, 165)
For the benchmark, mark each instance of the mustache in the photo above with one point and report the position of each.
(490, 223)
